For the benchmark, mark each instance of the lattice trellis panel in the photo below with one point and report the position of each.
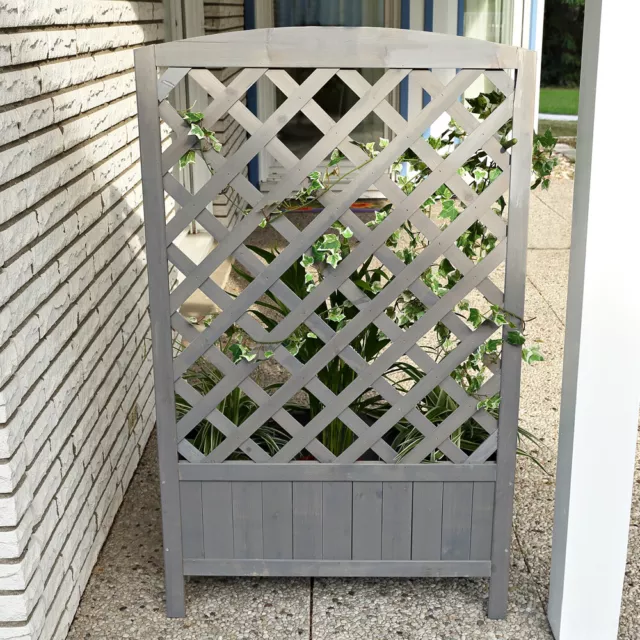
(258, 57)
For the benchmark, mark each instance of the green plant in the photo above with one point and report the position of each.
(443, 207)
(236, 406)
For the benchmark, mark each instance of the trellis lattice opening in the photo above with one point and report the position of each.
(305, 452)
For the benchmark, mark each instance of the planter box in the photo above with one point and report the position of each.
(244, 509)
(366, 519)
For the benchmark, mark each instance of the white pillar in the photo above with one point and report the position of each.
(601, 380)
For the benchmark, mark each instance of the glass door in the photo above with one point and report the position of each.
(335, 97)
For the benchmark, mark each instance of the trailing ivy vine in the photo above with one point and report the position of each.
(443, 207)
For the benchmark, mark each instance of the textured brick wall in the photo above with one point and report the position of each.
(76, 402)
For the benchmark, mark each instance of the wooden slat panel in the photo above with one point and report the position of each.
(482, 520)
(277, 519)
(247, 519)
(307, 520)
(457, 501)
(426, 539)
(217, 516)
(396, 520)
(191, 513)
(367, 521)
(337, 515)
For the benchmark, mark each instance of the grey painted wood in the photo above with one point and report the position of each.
(515, 273)
(150, 153)
(426, 538)
(247, 519)
(307, 520)
(396, 520)
(217, 517)
(279, 516)
(339, 568)
(191, 514)
(337, 516)
(482, 520)
(457, 501)
(362, 471)
(367, 47)
(367, 521)
(292, 252)
(277, 520)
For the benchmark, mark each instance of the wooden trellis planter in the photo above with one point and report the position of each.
(276, 516)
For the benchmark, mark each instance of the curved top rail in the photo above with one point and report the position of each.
(336, 47)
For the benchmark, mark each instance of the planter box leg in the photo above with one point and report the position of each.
(174, 588)
(498, 594)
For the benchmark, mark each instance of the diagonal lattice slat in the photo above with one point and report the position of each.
(299, 98)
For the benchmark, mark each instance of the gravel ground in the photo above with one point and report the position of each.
(124, 598)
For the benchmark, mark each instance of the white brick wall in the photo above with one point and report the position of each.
(74, 329)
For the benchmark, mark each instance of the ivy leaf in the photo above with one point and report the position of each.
(333, 259)
(188, 158)
(308, 277)
(475, 318)
(196, 130)
(312, 335)
(449, 211)
(347, 233)
(515, 338)
(335, 314)
(383, 142)
(531, 355)
(336, 157)
(306, 261)
(330, 242)
(268, 354)
(240, 352)
(192, 116)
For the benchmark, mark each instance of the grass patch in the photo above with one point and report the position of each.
(559, 128)
(559, 101)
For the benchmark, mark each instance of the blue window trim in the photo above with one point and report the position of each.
(252, 93)
(428, 26)
(533, 26)
(460, 24)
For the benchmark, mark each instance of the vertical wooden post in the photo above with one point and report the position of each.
(515, 272)
(601, 378)
(156, 246)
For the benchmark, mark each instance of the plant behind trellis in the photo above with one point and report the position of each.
(328, 251)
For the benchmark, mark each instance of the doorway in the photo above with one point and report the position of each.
(300, 134)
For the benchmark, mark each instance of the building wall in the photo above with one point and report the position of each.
(76, 403)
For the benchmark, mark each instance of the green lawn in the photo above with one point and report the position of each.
(557, 100)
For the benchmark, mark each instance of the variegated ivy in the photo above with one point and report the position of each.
(443, 206)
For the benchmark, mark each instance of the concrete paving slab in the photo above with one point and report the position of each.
(125, 595)
(444, 609)
(559, 196)
(547, 229)
(548, 272)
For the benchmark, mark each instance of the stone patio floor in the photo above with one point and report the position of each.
(124, 598)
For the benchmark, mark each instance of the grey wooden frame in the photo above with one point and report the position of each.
(337, 516)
